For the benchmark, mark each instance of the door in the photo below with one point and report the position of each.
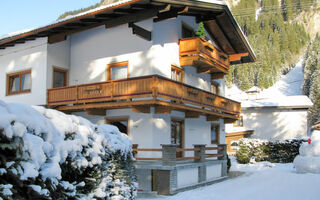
(177, 134)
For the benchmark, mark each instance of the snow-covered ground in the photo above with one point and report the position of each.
(263, 181)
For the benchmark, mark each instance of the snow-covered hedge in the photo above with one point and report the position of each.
(263, 150)
(309, 159)
(46, 154)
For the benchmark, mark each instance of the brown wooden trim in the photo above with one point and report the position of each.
(117, 64)
(147, 150)
(61, 70)
(17, 74)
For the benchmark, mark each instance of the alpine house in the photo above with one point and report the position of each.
(137, 64)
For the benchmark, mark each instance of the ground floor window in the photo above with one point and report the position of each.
(215, 132)
(19, 82)
(122, 124)
(177, 134)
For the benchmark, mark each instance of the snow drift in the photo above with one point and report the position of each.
(309, 159)
(46, 150)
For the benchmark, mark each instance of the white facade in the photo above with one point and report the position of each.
(86, 55)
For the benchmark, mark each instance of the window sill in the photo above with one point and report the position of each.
(17, 93)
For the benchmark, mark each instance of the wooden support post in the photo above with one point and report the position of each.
(218, 75)
(100, 112)
(190, 114)
(162, 110)
(141, 109)
(212, 118)
(143, 33)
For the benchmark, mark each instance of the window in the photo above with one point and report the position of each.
(177, 135)
(239, 122)
(19, 82)
(215, 132)
(118, 71)
(176, 74)
(122, 124)
(59, 77)
(187, 32)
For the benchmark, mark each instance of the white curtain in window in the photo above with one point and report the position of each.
(26, 82)
(119, 72)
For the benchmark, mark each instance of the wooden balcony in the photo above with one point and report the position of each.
(204, 56)
(140, 94)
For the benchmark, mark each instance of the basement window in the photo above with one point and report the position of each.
(19, 82)
(122, 124)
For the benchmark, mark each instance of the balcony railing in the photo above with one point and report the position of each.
(147, 90)
(203, 55)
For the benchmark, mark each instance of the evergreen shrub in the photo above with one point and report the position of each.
(273, 151)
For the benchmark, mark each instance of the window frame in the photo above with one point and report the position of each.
(217, 127)
(19, 74)
(65, 71)
(177, 69)
(109, 121)
(118, 64)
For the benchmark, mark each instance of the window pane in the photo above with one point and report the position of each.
(213, 133)
(26, 82)
(14, 84)
(119, 72)
(173, 77)
(59, 79)
(178, 76)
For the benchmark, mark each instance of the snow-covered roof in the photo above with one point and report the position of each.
(300, 101)
(130, 11)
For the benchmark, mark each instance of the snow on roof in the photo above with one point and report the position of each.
(65, 19)
(300, 101)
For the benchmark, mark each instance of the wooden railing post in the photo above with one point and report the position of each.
(222, 149)
(201, 153)
(169, 154)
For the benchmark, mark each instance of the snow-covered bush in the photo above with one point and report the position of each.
(46, 154)
(308, 161)
(263, 150)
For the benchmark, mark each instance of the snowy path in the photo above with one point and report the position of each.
(262, 181)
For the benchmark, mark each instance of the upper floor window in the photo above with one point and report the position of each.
(239, 122)
(176, 74)
(19, 82)
(59, 77)
(215, 88)
(118, 71)
(187, 32)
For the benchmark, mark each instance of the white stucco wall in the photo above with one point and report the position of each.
(58, 56)
(187, 177)
(30, 55)
(271, 123)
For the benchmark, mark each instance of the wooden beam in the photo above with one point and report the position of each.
(236, 57)
(135, 17)
(229, 121)
(162, 110)
(143, 33)
(91, 20)
(166, 15)
(100, 112)
(141, 109)
(217, 75)
(190, 114)
(213, 118)
(203, 70)
(56, 38)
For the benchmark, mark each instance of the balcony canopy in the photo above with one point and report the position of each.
(218, 20)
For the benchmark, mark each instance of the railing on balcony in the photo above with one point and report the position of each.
(169, 153)
(139, 89)
(203, 55)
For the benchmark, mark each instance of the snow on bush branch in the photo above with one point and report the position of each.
(44, 150)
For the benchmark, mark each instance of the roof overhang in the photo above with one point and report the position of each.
(217, 17)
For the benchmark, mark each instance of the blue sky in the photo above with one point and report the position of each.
(18, 15)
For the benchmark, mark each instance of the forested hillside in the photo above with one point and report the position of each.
(276, 37)
(311, 85)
